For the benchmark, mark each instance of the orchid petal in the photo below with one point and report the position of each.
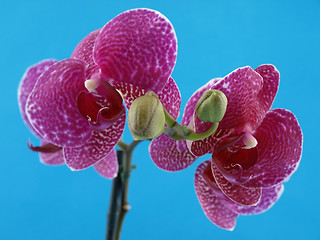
(214, 207)
(96, 148)
(26, 86)
(164, 153)
(268, 199)
(84, 51)
(108, 166)
(266, 95)
(51, 158)
(52, 106)
(169, 95)
(241, 88)
(279, 149)
(137, 47)
(246, 83)
(236, 193)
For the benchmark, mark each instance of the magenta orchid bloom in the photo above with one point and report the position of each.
(75, 106)
(253, 151)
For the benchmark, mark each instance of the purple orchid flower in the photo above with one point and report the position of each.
(253, 151)
(75, 106)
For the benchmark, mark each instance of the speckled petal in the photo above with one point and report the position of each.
(279, 149)
(268, 199)
(138, 47)
(96, 148)
(169, 95)
(108, 166)
(266, 95)
(52, 107)
(26, 85)
(84, 51)
(214, 207)
(165, 155)
(51, 158)
(237, 193)
(241, 88)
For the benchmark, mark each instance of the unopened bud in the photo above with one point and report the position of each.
(212, 106)
(146, 118)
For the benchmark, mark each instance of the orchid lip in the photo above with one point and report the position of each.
(233, 155)
(208, 176)
(102, 122)
(102, 105)
(235, 176)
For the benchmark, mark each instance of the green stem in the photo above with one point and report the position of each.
(177, 132)
(121, 144)
(115, 201)
(199, 136)
(119, 205)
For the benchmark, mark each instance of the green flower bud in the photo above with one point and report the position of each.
(212, 106)
(146, 118)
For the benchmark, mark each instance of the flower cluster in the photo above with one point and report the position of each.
(253, 150)
(75, 106)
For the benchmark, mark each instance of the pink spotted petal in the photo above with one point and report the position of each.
(84, 51)
(237, 193)
(214, 207)
(52, 107)
(268, 199)
(266, 95)
(108, 166)
(138, 47)
(26, 85)
(169, 95)
(96, 148)
(279, 149)
(52, 158)
(129, 92)
(165, 155)
(241, 88)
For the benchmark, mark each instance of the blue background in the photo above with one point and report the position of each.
(214, 38)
